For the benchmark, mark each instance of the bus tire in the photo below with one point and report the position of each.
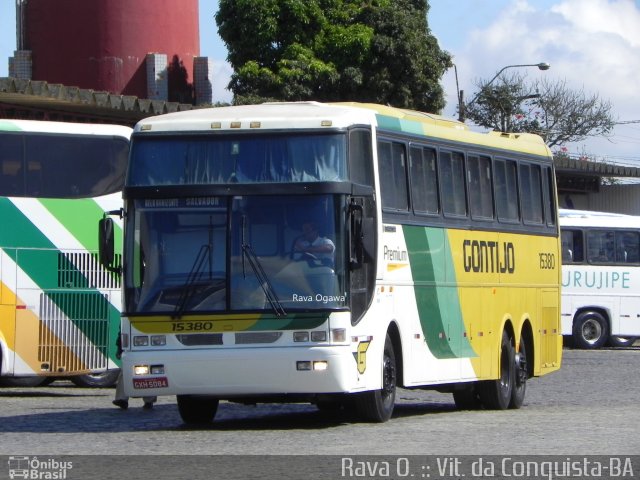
(196, 409)
(377, 405)
(616, 341)
(520, 377)
(96, 380)
(467, 398)
(496, 394)
(20, 382)
(590, 330)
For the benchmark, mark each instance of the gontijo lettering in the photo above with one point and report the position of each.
(482, 256)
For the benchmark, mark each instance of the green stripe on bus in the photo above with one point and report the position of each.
(79, 219)
(399, 125)
(435, 291)
(40, 260)
(18, 230)
(293, 321)
(6, 126)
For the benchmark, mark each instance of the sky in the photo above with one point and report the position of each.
(592, 45)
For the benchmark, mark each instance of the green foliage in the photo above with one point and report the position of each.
(333, 50)
(548, 108)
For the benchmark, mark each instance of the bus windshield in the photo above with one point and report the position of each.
(248, 158)
(243, 253)
(61, 166)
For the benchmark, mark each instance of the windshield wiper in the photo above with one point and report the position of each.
(194, 275)
(196, 272)
(261, 275)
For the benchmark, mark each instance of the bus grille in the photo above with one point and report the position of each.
(83, 270)
(73, 345)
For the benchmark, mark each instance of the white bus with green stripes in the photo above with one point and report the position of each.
(600, 278)
(329, 253)
(59, 309)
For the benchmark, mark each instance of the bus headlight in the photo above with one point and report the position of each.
(158, 340)
(318, 336)
(303, 365)
(140, 341)
(320, 365)
(339, 335)
(141, 370)
(300, 336)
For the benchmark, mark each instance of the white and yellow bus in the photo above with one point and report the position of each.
(59, 309)
(331, 252)
(600, 278)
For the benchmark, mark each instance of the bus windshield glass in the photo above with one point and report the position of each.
(242, 253)
(61, 165)
(248, 158)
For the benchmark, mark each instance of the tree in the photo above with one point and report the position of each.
(548, 108)
(333, 50)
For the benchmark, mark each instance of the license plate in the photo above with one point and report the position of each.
(159, 382)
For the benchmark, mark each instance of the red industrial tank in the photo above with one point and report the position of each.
(102, 44)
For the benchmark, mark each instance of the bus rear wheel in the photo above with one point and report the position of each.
(377, 405)
(196, 409)
(23, 382)
(521, 375)
(615, 341)
(590, 330)
(496, 394)
(97, 380)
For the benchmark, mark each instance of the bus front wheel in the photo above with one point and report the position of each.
(197, 410)
(496, 394)
(377, 405)
(590, 330)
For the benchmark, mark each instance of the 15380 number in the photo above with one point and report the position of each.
(191, 326)
(547, 261)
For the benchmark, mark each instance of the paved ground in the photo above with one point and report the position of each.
(589, 407)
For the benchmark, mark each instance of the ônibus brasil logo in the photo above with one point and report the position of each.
(35, 468)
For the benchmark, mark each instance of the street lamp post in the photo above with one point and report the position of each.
(461, 105)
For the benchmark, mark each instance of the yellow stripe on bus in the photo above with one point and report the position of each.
(13, 317)
(195, 323)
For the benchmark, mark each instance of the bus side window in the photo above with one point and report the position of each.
(393, 175)
(452, 183)
(628, 247)
(572, 246)
(531, 193)
(601, 247)
(506, 191)
(11, 168)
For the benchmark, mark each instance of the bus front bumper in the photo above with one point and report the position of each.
(228, 373)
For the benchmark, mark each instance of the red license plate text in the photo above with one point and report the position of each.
(159, 382)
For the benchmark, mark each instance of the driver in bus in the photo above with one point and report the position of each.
(314, 245)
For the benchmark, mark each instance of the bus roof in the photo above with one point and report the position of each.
(266, 116)
(305, 115)
(64, 127)
(585, 218)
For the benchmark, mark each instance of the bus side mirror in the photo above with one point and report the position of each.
(356, 252)
(105, 242)
(362, 236)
